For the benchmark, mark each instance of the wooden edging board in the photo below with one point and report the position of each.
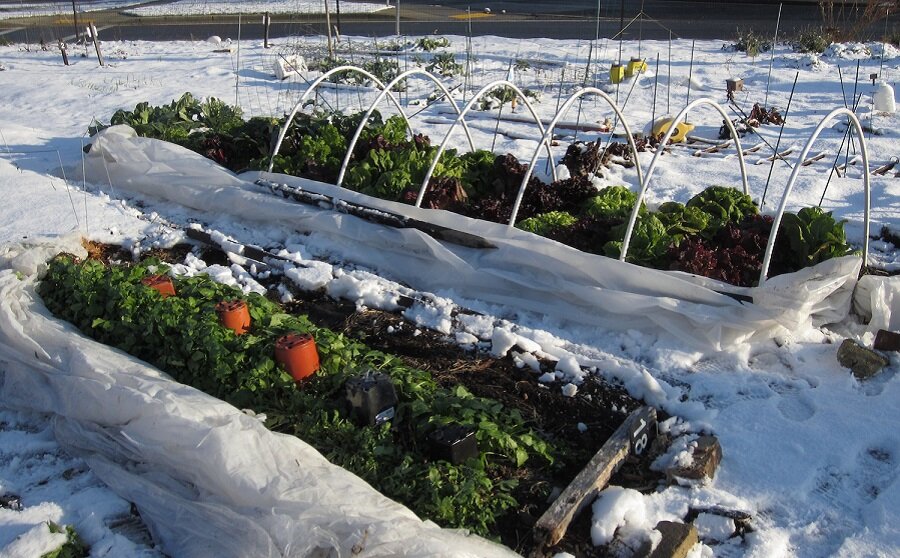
(634, 435)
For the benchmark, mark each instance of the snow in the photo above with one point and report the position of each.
(809, 451)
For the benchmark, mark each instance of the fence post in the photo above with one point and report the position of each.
(96, 42)
(62, 50)
(267, 21)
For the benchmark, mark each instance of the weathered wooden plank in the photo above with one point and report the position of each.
(551, 527)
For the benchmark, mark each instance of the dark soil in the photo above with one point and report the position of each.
(551, 413)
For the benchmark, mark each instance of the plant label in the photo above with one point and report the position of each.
(643, 431)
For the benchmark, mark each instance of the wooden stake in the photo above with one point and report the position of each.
(62, 50)
(267, 21)
(328, 26)
(96, 42)
(655, 85)
(551, 527)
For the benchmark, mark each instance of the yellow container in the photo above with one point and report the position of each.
(662, 125)
(635, 66)
(616, 73)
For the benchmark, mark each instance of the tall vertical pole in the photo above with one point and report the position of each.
(597, 35)
(621, 28)
(772, 58)
(338, 8)
(397, 19)
(237, 72)
(267, 21)
(328, 25)
(75, 22)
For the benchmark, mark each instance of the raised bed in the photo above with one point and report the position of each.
(527, 436)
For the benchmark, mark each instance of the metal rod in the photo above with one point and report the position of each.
(669, 80)
(655, 85)
(397, 20)
(690, 75)
(772, 58)
(762, 204)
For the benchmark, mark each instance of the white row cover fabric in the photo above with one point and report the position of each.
(207, 479)
(524, 273)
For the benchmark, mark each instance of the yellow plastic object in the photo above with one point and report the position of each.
(616, 73)
(662, 125)
(635, 66)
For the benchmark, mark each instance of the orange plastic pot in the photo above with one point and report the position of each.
(161, 284)
(298, 354)
(234, 315)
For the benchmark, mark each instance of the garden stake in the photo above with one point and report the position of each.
(655, 84)
(237, 64)
(855, 102)
(690, 76)
(778, 141)
(267, 21)
(772, 59)
(848, 134)
(328, 30)
(669, 79)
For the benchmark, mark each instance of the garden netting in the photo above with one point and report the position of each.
(523, 273)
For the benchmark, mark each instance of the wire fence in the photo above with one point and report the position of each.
(31, 21)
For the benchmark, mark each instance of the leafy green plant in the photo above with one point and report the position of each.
(723, 204)
(219, 116)
(612, 201)
(74, 547)
(429, 44)
(444, 64)
(681, 220)
(182, 336)
(751, 42)
(650, 242)
(547, 222)
(814, 236)
(812, 40)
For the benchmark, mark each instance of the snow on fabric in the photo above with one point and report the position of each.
(208, 479)
(524, 272)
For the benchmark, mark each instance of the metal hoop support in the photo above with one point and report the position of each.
(385, 91)
(665, 140)
(313, 87)
(483, 91)
(549, 133)
(854, 121)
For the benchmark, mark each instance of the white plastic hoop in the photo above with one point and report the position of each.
(312, 88)
(481, 92)
(549, 133)
(854, 121)
(665, 140)
(387, 88)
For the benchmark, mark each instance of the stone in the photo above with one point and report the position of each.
(887, 340)
(677, 540)
(862, 362)
(706, 458)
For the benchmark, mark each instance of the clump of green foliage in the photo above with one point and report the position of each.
(182, 336)
(543, 224)
(811, 39)
(429, 44)
(814, 236)
(751, 42)
(723, 204)
(74, 547)
(444, 64)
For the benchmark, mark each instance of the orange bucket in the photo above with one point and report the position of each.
(298, 354)
(161, 284)
(234, 315)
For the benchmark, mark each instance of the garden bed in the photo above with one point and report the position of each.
(539, 445)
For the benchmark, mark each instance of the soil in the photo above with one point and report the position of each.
(556, 416)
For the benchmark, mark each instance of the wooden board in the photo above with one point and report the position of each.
(552, 526)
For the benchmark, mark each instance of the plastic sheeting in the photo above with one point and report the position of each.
(524, 273)
(207, 479)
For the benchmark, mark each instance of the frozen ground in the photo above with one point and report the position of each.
(811, 453)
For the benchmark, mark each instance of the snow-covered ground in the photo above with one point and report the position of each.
(809, 451)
